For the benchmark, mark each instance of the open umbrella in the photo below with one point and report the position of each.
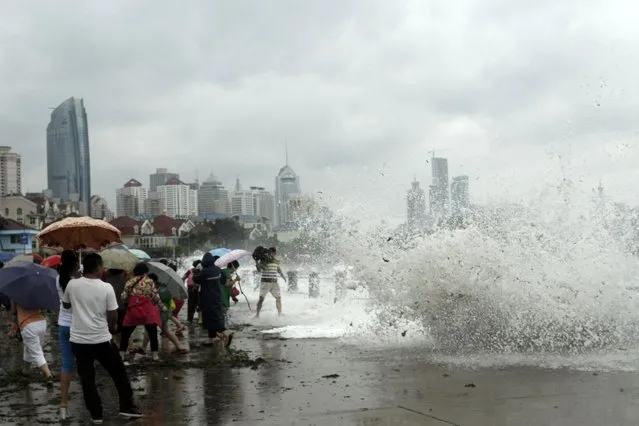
(30, 285)
(6, 256)
(219, 252)
(119, 259)
(52, 261)
(169, 277)
(79, 233)
(20, 259)
(231, 256)
(140, 254)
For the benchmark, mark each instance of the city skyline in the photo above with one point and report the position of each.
(68, 154)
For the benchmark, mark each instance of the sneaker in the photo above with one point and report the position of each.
(64, 413)
(97, 421)
(132, 413)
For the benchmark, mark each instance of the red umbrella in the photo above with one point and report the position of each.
(52, 261)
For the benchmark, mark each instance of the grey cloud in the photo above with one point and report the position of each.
(220, 86)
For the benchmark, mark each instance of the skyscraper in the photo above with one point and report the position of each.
(178, 200)
(131, 199)
(459, 194)
(161, 177)
(415, 205)
(264, 202)
(212, 197)
(68, 159)
(439, 195)
(287, 186)
(10, 172)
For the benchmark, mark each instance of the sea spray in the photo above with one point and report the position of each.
(549, 275)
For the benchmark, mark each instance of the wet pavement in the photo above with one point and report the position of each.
(323, 382)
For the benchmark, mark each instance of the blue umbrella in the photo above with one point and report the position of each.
(6, 256)
(30, 285)
(219, 251)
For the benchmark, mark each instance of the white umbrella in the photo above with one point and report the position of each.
(231, 257)
(114, 258)
(140, 254)
(168, 276)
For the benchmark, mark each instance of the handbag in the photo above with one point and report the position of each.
(141, 311)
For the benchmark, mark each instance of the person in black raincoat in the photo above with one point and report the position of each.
(211, 308)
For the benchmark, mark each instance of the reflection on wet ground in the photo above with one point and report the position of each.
(323, 382)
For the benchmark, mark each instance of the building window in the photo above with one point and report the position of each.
(19, 211)
(32, 221)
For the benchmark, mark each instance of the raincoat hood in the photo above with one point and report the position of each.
(208, 260)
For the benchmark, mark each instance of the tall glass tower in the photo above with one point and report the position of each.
(68, 159)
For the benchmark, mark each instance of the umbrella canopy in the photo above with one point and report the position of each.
(140, 254)
(114, 258)
(169, 277)
(30, 285)
(20, 259)
(219, 252)
(79, 233)
(52, 261)
(231, 257)
(6, 256)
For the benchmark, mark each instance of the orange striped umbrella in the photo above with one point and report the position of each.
(77, 233)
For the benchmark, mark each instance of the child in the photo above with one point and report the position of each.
(167, 299)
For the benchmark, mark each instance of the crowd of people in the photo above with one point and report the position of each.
(100, 309)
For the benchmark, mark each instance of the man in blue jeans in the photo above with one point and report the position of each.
(94, 318)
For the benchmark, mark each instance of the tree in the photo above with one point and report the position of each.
(227, 232)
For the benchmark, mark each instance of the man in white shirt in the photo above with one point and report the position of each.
(94, 318)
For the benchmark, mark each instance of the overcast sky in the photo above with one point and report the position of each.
(511, 91)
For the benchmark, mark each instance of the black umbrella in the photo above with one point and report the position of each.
(30, 285)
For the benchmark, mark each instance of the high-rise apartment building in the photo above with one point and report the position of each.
(416, 205)
(161, 177)
(178, 199)
(68, 159)
(439, 191)
(212, 197)
(459, 195)
(10, 172)
(131, 199)
(264, 203)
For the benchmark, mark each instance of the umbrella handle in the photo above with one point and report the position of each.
(247, 301)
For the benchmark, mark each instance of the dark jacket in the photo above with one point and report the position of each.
(209, 279)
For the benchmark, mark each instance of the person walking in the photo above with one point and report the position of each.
(193, 291)
(33, 329)
(211, 308)
(117, 278)
(94, 318)
(143, 308)
(68, 270)
(269, 266)
(166, 315)
(226, 285)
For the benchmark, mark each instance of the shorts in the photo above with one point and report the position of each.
(272, 287)
(32, 340)
(178, 306)
(66, 352)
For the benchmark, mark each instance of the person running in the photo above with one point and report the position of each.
(33, 329)
(211, 301)
(68, 270)
(94, 318)
(269, 266)
(143, 308)
(193, 291)
(165, 296)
